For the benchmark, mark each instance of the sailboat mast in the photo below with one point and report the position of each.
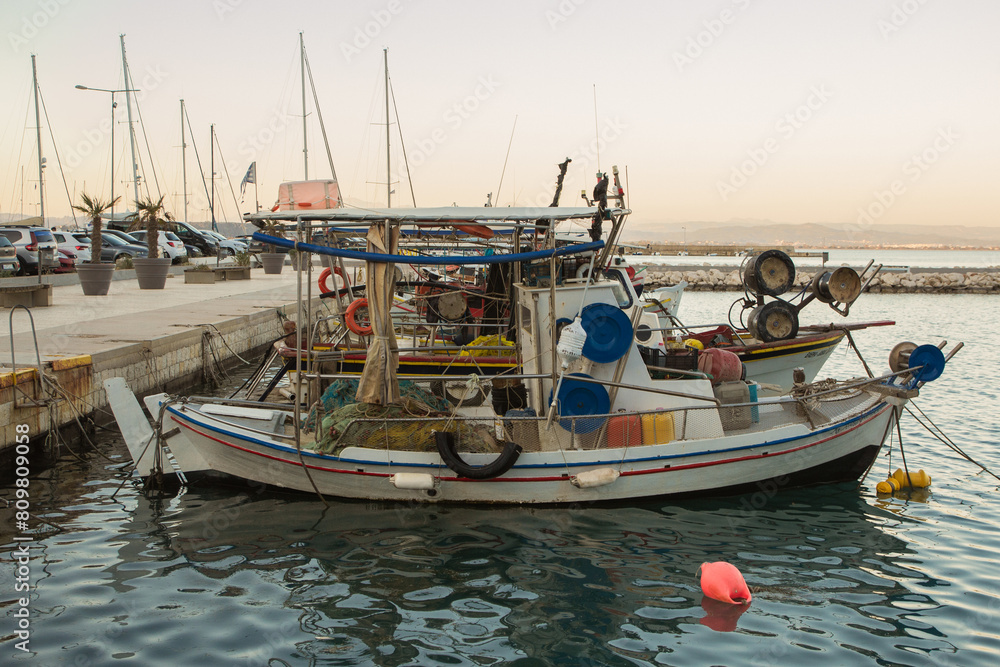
(184, 173)
(211, 169)
(131, 134)
(38, 137)
(322, 127)
(305, 145)
(388, 165)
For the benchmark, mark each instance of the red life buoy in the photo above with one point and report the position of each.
(325, 274)
(351, 319)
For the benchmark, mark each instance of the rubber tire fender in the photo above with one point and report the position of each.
(505, 461)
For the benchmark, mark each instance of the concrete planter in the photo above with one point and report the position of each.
(151, 273)
(192, 277)
(273, 262)
(95, 279)
(216, 275)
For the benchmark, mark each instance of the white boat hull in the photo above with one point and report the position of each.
(786, 456)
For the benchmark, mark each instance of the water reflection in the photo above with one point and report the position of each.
(414, 584)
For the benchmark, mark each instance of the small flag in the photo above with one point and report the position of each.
(251, 177)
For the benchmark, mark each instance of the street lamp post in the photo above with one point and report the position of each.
(113, 105)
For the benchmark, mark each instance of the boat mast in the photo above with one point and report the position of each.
(305, 145)
(38, 137)
(322, 127)
(131, 133)
(211, 171)
(184, 173)
(388, 165)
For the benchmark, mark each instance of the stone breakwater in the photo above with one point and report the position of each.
(716, 280)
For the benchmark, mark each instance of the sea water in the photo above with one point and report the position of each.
(946, 260)
(247, 576)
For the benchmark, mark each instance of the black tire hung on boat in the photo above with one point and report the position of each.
(505, 461)
(509, 398)
(773, 321)
(770, 273)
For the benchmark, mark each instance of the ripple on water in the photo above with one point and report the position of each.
(231, 576)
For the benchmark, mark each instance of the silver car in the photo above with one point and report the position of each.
(31, 243)
(169, 243)
(71, 244)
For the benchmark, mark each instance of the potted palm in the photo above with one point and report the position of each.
(95, 276)
(272, 260)
(150, 215)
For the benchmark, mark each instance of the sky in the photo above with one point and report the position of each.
(850, 113)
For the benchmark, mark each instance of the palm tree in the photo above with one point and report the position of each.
(95, 208)
(149, 215)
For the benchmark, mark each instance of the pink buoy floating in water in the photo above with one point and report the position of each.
(722, 581)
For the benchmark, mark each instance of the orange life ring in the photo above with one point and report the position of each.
(325, 274)
(350, 318)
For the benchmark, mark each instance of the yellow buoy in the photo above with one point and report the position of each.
(917, 480)
(888, 486)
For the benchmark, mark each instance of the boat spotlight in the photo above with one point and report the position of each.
(770, 273)
(842, 285)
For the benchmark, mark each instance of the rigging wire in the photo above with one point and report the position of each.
(20, 152)
(55, 149)
(197, 157)
(228, 177)
(505, 159)
(402, 145)
(365, 146)
(940, 435)
(145, 137)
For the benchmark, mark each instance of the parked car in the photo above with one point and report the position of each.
(175, 242)
(71, 244)
(193, 236)
(8, 256)
(255, 247)
(28, 241)
(127, 237)
(67, 262)
(170, 245)
(193, 251)
(229, 246)
(113, 248)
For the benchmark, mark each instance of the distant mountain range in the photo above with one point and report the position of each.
(746, 232)
(816, 235)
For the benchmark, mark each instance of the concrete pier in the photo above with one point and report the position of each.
(158, 340)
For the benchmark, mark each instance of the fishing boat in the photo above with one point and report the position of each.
(598, 422)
